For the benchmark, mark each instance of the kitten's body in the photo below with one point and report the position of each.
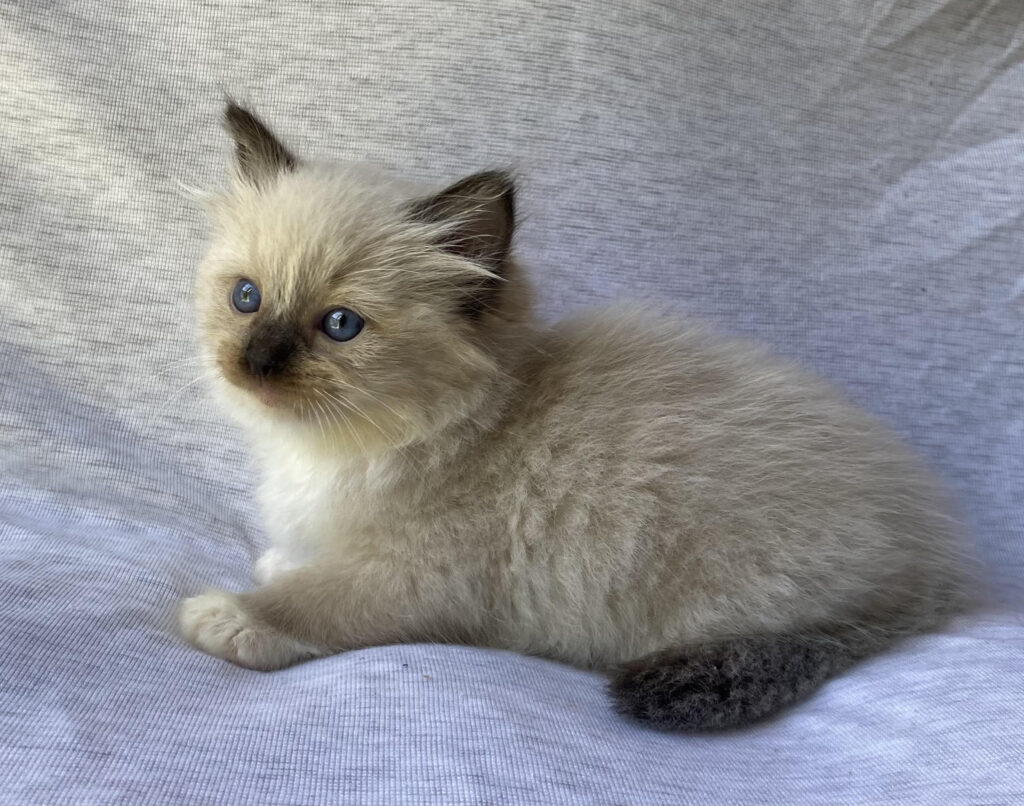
(613, 488)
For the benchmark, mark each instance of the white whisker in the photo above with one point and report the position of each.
(375, 399)
(177, 392)
(344, 419)
(323, 421)
(349, 404)
(418, 466)
(173, 365)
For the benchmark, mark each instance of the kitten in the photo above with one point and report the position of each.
(711, 527)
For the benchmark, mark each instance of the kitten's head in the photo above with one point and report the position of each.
(348, 305)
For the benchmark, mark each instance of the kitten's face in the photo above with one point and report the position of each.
(337, 301)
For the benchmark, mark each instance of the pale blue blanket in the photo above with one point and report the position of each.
(841, 179)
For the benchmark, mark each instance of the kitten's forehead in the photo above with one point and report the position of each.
(321, 200)
(313, 227)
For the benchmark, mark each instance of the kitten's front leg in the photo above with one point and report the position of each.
(272, 563)
(218, 623)
(330, 607)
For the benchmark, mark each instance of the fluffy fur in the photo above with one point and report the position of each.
(711, 526)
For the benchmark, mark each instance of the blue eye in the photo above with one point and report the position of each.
(341, 324)
(246, 297)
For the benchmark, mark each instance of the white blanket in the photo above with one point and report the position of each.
(839, 178)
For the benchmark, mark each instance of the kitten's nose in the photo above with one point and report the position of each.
(268, 351)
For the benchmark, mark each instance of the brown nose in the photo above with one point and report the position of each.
(269, 351)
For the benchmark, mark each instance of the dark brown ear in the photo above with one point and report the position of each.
(482, 209)
(259, 154)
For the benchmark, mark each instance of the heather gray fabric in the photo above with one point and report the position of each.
(841, 179)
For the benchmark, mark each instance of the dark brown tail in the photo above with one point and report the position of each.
(734, 681)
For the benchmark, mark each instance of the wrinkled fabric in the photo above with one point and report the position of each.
(841, 180)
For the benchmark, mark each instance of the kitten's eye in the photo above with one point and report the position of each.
(341, 324)
(246, 297)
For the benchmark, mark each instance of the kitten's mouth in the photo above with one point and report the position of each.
(266, 395)
(258, 388)
(268, 392)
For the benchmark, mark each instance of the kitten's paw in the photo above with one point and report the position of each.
(217, 623)
(272, 564)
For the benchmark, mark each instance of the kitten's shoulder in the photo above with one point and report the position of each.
(637, 345)
(631, 361)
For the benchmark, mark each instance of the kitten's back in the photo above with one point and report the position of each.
(779, 503)
(765, 533)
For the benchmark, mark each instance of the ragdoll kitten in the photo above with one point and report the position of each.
(711, 527)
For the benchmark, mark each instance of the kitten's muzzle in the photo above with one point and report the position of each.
(269, 351)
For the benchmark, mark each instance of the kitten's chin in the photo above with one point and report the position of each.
(268, 396)
(273, 412)
(258, 400)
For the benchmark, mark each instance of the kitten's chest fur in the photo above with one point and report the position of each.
(315, 503)
(318, 501)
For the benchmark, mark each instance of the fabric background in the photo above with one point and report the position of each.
(842, 179)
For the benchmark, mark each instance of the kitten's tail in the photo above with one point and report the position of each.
(734, 681)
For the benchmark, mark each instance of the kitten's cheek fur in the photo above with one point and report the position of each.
(216, 623)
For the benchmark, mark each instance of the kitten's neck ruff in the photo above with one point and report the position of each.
(379, 450)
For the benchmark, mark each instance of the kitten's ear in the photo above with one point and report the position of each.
(481, 209)
(259, 154)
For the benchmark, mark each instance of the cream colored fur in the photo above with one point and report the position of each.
(617, 484)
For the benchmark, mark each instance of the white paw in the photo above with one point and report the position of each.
(272, 564)
(216, 623)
